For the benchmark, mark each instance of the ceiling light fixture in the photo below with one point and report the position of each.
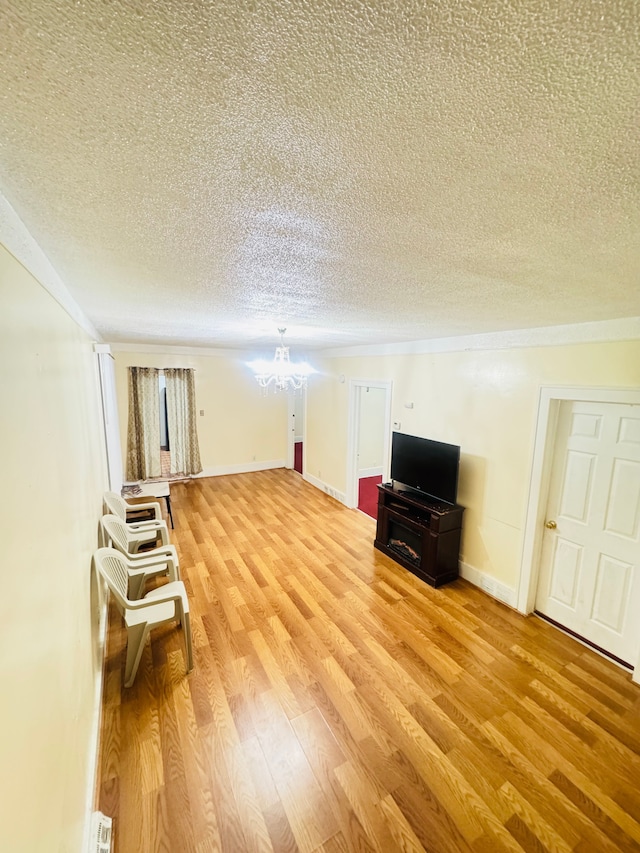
(281, 372)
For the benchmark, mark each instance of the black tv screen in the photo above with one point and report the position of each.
(429, 466)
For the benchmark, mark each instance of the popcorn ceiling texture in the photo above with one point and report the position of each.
(200, 173)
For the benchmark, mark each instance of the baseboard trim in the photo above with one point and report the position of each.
(241, 468)
(369, 472)
(325, 487)
(494, 588)
(95, 739)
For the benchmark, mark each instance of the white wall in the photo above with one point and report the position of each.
(54, 474)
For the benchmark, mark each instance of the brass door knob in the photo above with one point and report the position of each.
(551, 525)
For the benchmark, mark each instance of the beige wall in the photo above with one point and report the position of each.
(240, 426)
(484, 401)
(326, 444)
(50, 503)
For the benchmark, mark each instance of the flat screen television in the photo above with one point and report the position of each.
(430, 467)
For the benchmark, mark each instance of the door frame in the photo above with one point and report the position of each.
(353, 429)
(110, 422)
(550, 399)
(291, 425)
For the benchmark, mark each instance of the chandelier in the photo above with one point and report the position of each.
(281, 372)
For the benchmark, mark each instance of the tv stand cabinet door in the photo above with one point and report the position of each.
(440, 556)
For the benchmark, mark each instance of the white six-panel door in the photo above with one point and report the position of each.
(590, 568)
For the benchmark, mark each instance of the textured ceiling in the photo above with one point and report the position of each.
(204, 172)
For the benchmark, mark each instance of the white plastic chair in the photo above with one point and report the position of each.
(147, 530)
(167, 603)
(117, 505)
(129, 540)
(149, 564)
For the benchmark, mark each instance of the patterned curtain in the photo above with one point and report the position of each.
(181, 421)
(143, 434)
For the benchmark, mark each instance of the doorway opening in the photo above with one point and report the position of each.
(369, 434)
(296, 429)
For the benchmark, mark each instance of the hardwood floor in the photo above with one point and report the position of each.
(340, 704)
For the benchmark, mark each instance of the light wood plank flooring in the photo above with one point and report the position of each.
(340, 704)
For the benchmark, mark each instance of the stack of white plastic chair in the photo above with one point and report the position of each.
(130, 538)
(146, 531)
(166, 603)
(142, 565)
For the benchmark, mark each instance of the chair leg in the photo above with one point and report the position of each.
(186, 627)
(136, 639)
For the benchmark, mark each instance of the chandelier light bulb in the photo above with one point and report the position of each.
(281, 372)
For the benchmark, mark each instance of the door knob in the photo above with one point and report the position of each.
(551, 525)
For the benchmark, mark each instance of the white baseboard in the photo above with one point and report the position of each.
(241, 468)
(326, 488)
(490, 585)
(96, 723)
(369, 472)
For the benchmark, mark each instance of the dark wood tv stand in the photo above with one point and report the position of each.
(420, 534)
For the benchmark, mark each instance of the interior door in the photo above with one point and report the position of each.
(589, 574)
